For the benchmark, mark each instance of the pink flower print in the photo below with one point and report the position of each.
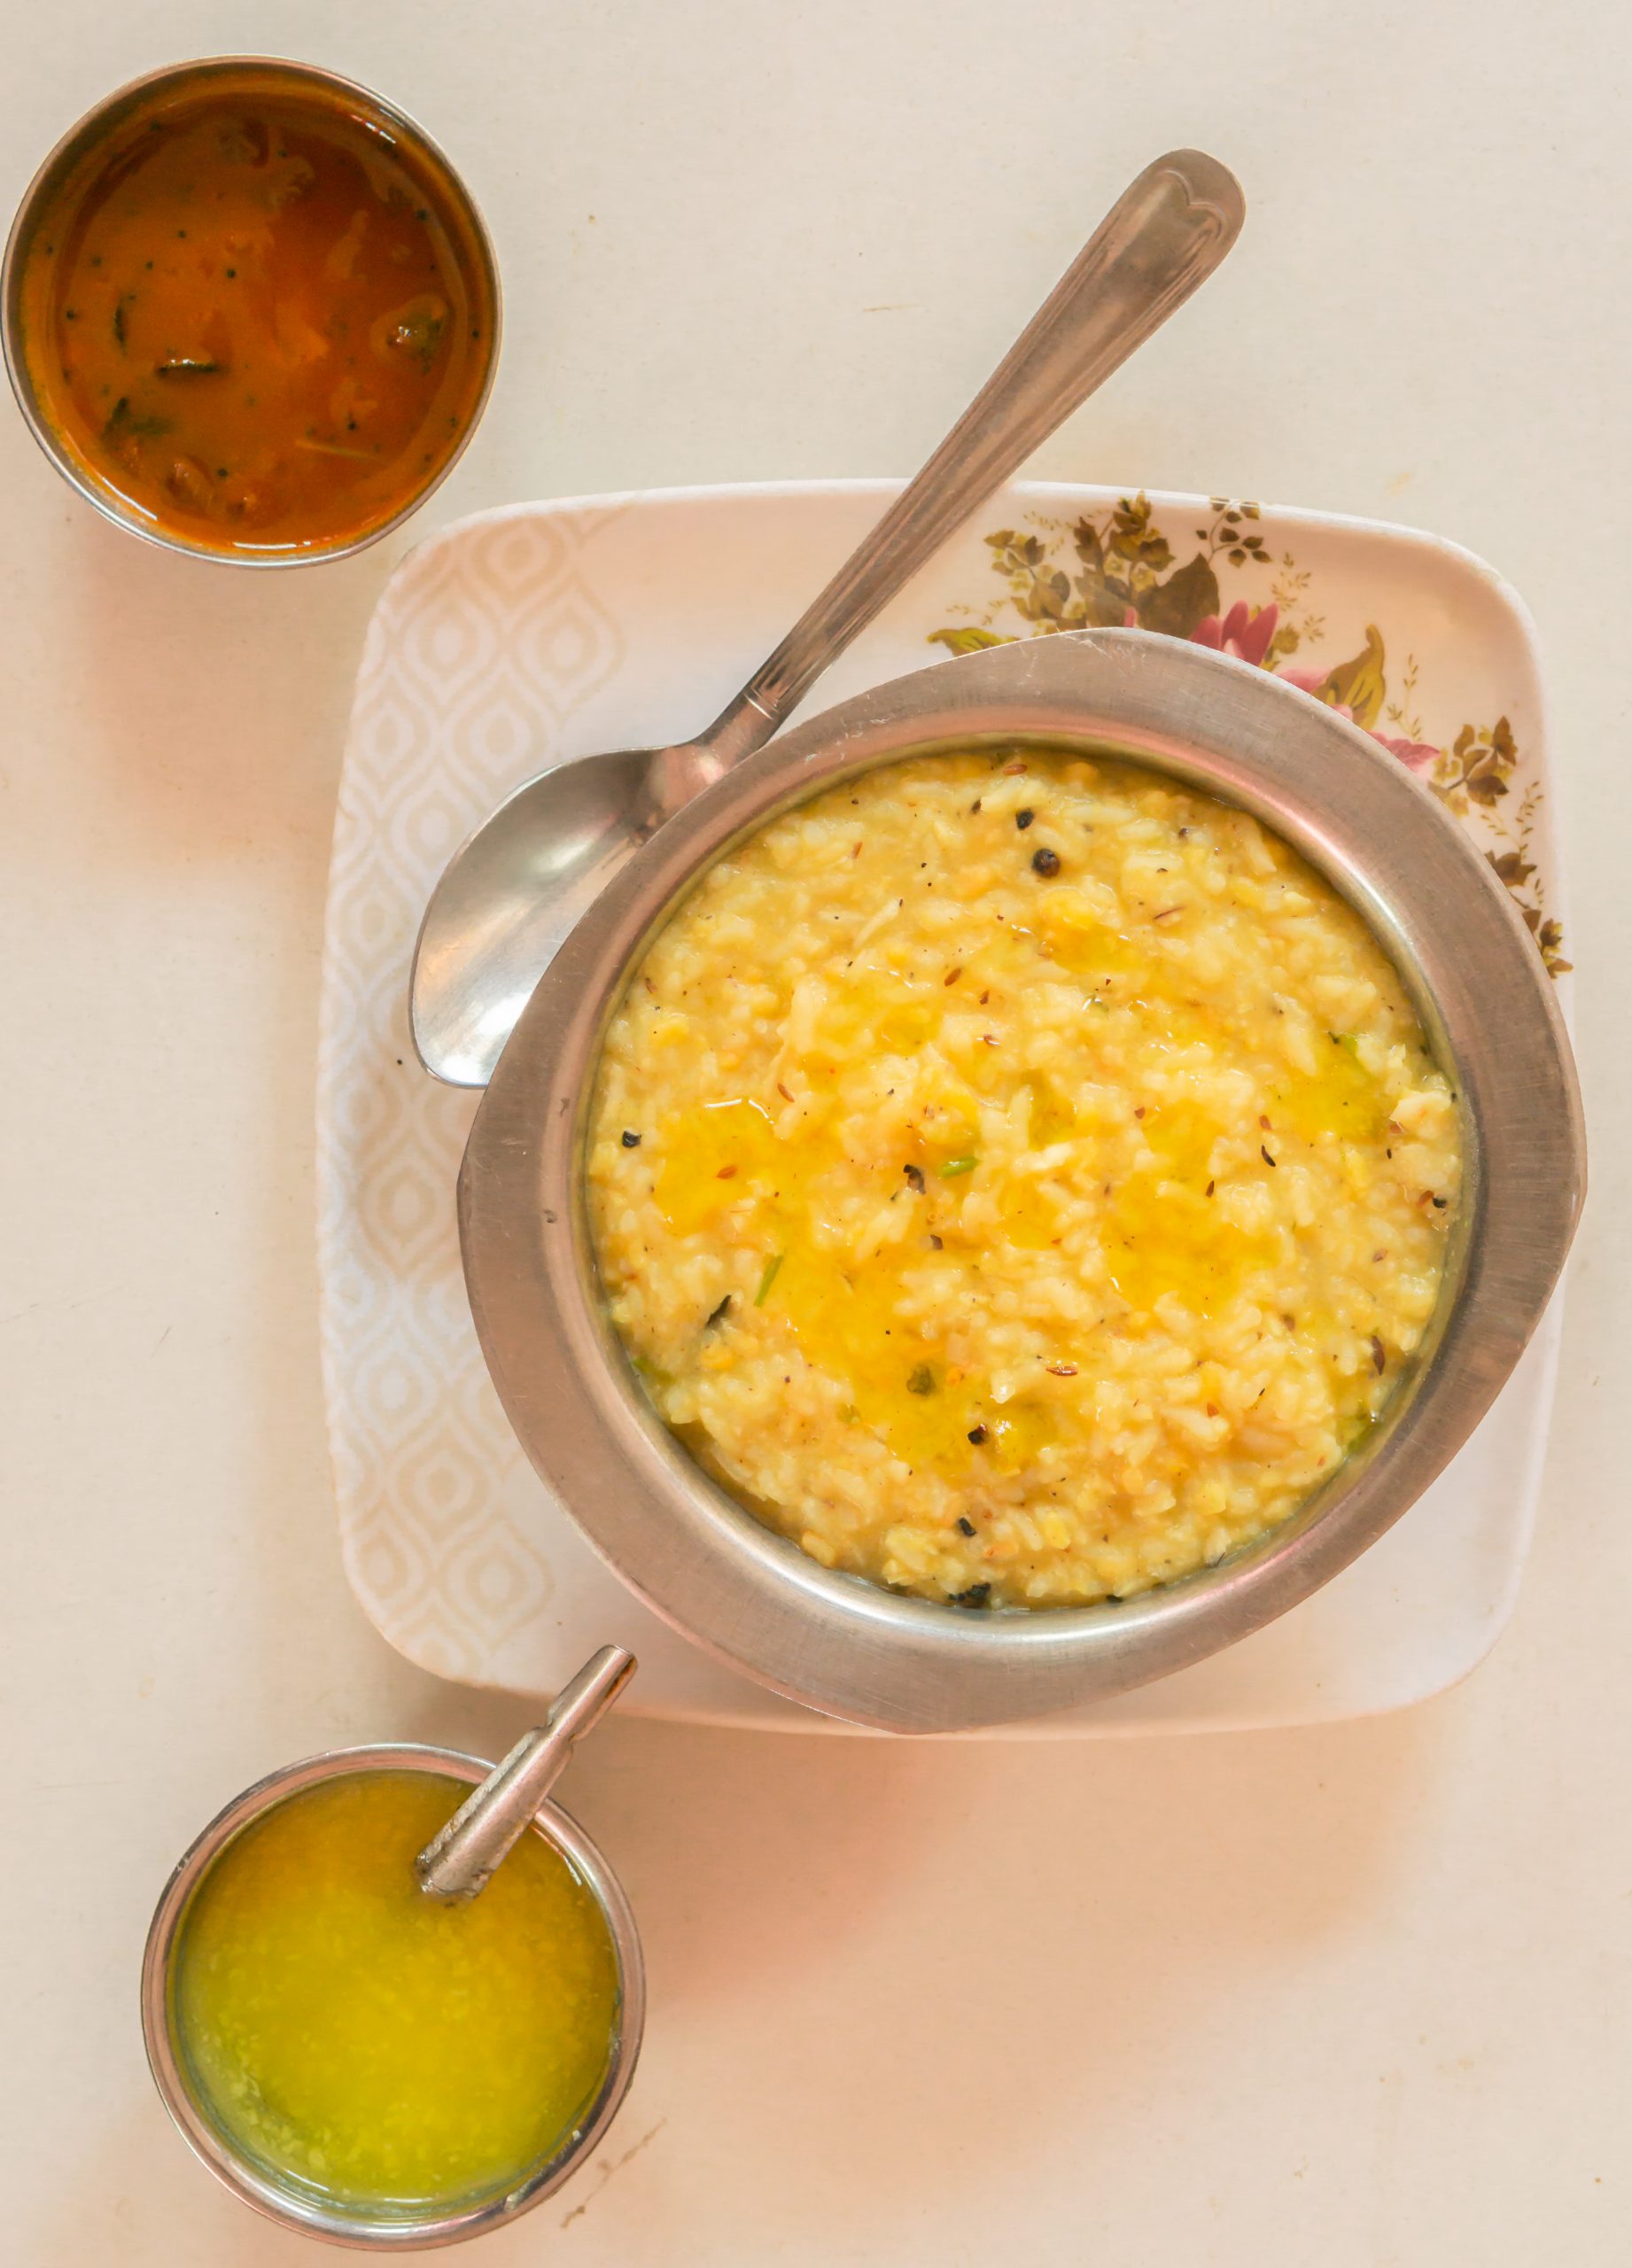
(1249, 636)
(1242, 633)
(1417, 756)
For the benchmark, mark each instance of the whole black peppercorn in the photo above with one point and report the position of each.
(1022, 819)
(1046, 862)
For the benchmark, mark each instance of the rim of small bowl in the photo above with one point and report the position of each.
(59, 160)
(848, 1648)
(249, 2182)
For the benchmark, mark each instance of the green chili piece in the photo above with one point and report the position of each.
(121, 420)
(768, 1278)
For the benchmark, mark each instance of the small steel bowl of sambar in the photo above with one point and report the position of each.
(250, 311)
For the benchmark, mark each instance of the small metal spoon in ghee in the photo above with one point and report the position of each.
(459, 1861)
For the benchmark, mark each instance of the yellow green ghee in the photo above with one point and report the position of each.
(376, 2044)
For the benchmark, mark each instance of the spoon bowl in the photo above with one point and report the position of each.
(511, 896)
(514, 893)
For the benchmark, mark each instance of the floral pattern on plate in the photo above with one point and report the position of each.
(1119, 569)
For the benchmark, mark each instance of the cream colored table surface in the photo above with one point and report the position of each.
(1345, 1998)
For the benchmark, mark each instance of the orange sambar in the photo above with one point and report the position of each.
(257, 317)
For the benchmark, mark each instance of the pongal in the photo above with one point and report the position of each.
(1019, 1179)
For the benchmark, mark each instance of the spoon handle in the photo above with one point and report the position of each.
(459, 1860)
(1165, 234)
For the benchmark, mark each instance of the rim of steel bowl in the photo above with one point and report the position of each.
(102, 119)
(292, 2204)
(848, 1648)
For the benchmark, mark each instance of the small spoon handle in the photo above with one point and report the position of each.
(1165, 235)
(459, 1861)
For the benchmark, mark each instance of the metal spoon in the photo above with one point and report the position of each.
(510, 896)
(458, 1862)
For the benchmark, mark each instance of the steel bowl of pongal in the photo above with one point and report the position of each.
(1021, 1182)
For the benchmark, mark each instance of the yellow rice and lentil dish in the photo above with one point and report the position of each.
(1018, 1179)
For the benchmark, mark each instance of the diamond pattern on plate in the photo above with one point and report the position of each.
(486, 644)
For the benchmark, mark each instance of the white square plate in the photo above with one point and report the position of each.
(542, 632)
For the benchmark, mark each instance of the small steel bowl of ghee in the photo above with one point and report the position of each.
(250, 311)
(364, 2063)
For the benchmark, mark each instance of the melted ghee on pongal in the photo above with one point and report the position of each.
(1020, 1179)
